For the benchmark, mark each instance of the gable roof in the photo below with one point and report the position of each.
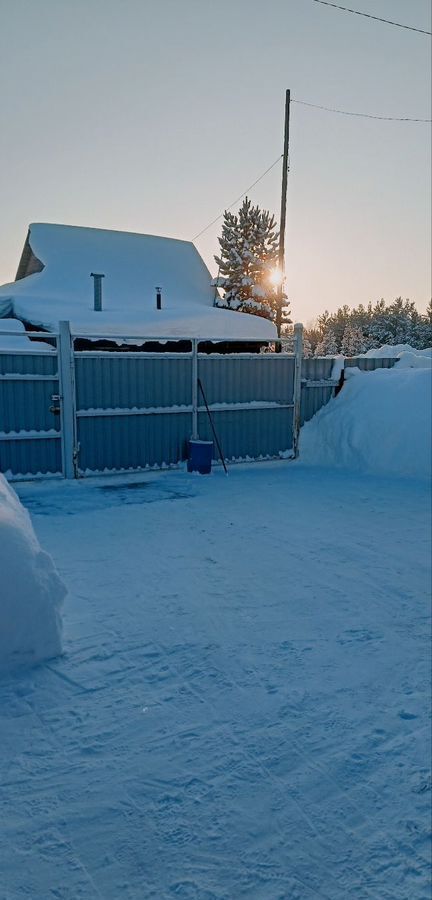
(54, 283)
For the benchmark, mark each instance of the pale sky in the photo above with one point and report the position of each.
(154, 116)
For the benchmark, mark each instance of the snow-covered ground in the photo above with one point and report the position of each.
(242, 707)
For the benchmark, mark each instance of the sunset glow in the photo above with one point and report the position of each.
(276, 277)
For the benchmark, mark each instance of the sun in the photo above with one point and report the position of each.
(276, 277)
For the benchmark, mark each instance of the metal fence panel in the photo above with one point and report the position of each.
(317, 386)
(119, 380)
(26, 363)
(251, 433)
(118, 443)
(30, 432)
(25, 405)
(369, 364)
(317, 368)
(30, 457)
(312, 399)
(247, 378)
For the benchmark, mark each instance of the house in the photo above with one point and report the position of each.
(54, 283)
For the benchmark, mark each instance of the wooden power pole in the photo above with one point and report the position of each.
(281, 256)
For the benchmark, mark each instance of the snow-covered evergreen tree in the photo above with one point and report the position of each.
(353, 341)
(423, 329)
(248, 254)
(287, 342)
(287, 335)
(394, 323)
(327, 346)
(307, 348)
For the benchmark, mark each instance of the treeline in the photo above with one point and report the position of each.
(352, 331)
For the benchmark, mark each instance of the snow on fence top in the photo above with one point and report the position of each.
(54, 283)
(31, 592)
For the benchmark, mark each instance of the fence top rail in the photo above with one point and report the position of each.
(131, 354)
(188, 354)
(29, 334)
(36, 352)
(163, 339)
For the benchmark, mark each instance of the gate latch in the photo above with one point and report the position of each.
(55, 409)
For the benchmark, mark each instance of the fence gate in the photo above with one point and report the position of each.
(135, 410)
(71, 412)
(31, 410)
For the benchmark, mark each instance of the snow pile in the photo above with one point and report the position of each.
(380, 422)
(415, 359)
(391, 351)
(17, 338)
(31, 591)
(408, 357)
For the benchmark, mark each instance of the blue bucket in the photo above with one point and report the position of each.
(200, 457)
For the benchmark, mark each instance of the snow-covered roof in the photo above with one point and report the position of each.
(133, 264)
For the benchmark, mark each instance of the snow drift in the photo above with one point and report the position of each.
(380, 422)
(31, 592)
(387, 351)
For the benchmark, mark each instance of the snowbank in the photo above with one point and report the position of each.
(380, 422)
(31, 592)
(415, 359)
(389, 351)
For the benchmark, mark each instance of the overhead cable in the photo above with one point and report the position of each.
(370, 16)
(344, 112)
(341, 112)
(238, 198)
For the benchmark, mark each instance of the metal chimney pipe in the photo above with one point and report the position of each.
(158, 298)
(97, 291)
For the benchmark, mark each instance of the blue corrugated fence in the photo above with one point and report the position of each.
(72, 412)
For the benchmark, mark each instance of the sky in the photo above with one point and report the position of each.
(155, 117)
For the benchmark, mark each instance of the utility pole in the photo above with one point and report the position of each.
(281, 256)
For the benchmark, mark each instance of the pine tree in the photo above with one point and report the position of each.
(313, 337)
(422, 329)
(288, 344)
(353, 341)
(328, 345)
(248, 254)
(395, 323)
(307, 348)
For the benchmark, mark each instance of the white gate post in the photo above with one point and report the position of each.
(194, 390)
(298, 351)
(67, 390)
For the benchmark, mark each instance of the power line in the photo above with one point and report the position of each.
(344, 112)
(239, 198)
(341, 112)
(369, 16)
